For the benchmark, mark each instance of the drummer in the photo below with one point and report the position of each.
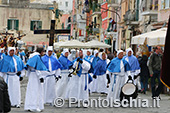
(118, 68)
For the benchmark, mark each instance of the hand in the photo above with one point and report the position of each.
(78, 59)
(108, 78)
(151, 75)
(69, 75)
(59, 77)
(94, 76)
(129, 77)
(20, 78)
(81, 61)
(19, 73)
(41, 80)
(56, 79)
(135, 77)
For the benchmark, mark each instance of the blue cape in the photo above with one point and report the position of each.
(7, 64)
(54, 62)
(133, 62)
(64, 62)
(2, 54)
(37, 63)
(114, 65)
(93, 64)
(88, 58)
(100, 67)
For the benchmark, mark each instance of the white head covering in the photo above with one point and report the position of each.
(84, 52)
(127, 50)
(95, 52)
(11, 48)
(65, 51)
(49, 48)
(90, 50)
(100, 55)
(119, 52)
(1, 49)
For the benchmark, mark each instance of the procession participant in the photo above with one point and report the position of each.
(89, 55)
(63, 82)
(22, 55)
(79, 86)
(53, 66)
(100, 74)
(134, 65)
(72, 56)
(2, 53)
(34, 93)
(12, 70)
(120, 71)
(92, 85)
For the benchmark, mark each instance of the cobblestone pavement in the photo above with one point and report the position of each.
(164, 105)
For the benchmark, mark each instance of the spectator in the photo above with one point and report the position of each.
(5, 105)
(144, 74)
(154, 69)
(110, 55)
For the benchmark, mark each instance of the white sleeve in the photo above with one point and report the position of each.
(85, 65)
(58, 72)
(137, 72)
(1, 74)
(22, 73)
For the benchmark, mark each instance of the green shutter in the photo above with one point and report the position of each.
(62, 25)
(32, 25)
(40, 25)
(57, 13)
(17, 25)
(9, 24)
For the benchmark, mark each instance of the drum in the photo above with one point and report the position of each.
(129, 90)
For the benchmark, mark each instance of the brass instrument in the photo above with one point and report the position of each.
(76, 69)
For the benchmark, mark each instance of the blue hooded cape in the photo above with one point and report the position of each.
(64, 62)
(93, 64)
(88, 59)
(54, 62)
(37, 63)
(114, 65)
(2, 54)
(100, 67)
(7, 64)
(133, 62)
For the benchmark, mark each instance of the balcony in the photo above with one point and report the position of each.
(131, 17)
(150, 10)
(113, 4)
(96, 8)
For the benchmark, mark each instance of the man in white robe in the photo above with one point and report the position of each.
(100, 74)
(120, 71)
(62, 84)
(53, 66)
(79, 84)
(36, 71)
(135, 67)
(72, 56)
(12, 70)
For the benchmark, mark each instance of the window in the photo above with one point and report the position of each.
(36, 25)
(165, 4)
(13, 24)
(66, 4)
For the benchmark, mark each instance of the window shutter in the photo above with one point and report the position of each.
(17, 25)
(40, 25)
(32, 25)
(9, 24)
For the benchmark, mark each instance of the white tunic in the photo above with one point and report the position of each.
(34, 93)
(61, 85)
(49, 85)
